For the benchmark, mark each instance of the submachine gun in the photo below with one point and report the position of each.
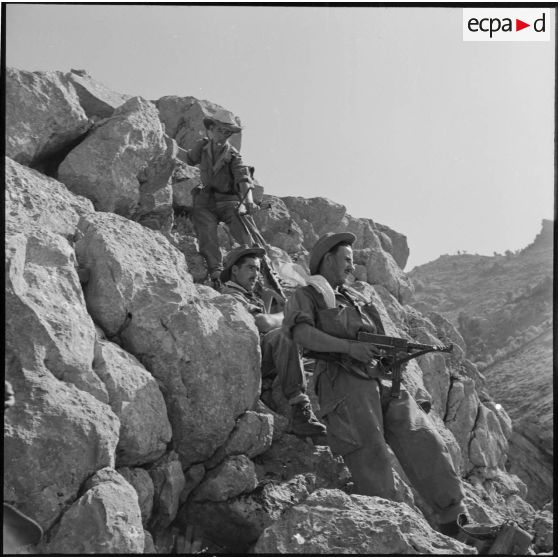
(258, 240)
(389, 347)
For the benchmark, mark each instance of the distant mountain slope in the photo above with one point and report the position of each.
(502, 306)
(523, 384)
(498, 302)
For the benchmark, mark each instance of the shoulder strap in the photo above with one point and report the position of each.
(321, 285)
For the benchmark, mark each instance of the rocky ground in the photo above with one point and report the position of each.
(137, 426)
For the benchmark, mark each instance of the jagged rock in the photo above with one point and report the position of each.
(148, 544)
(279, 228)
(143, 485)
(183, 237)
(251, 436)
(55, 436)
(183, 119)
(234, 476)
(105, 167)
(105, 520)
(382, 269)
(488, 446)
(43, 115)
(96, 99)
(237, 523)
(46, 317)
(290, 456)
(135, 398)
(168, 483)
(192, 478)
(399, 247)
(332, 522)
(544, 532)
(35, 201)
(462, 409)
(140, 289)
(184, 180)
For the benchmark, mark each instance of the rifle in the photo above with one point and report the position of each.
(258, 240)
(388, 347)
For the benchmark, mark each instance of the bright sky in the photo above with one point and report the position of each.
(385, 110)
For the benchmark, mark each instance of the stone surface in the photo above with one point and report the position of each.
(234, 476)
(43, 115)
(143, 485)
(168, 483)
(183, 119)
(35, 201)
(290, 456)
(237, 523)
(135, 398)
(544, 532)
(184, 180)
(488, 446)
(55, 437)
(46, 317)
(140, 289)
(399, 247)
(105, 520)
(96, 99)
(252, 435)
(332, 522)
(105, 166)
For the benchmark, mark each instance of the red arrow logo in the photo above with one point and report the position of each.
(519, 25)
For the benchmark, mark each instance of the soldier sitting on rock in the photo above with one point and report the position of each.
(226, 180)
(280, 356)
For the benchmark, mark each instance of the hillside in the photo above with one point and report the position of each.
(498, 302)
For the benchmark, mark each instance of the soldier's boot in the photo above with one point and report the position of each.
(304, 422)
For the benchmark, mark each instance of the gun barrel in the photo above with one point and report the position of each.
(432, 348)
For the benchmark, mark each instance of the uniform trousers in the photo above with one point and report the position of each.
(361, 418)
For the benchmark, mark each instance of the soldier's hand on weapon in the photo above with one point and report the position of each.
(363, 352)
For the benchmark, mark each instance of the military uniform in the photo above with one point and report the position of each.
(361, 416)
(280, 355)
(224, 175)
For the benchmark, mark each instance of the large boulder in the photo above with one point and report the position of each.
(97, 100)
(168, 483)
(398, 246)
(104, 520)
(143, 485)
(107, 166)
(43, 115)
(35, 201)
(204, 352)
(46, 317)
(332, 522)
(183, 119)
(55, 437)
(136, 399)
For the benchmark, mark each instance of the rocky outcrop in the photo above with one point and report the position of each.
(332, 522)
(183, 117)
(106, 519)
(43, 115)
(135, 398)
(140, 291)
(120, 358)
(106, 167)
(97, 100)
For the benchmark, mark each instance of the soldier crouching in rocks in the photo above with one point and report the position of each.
(324, 318)
(280, 355)
(226, 180)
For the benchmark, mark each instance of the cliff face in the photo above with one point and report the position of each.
(137, 425)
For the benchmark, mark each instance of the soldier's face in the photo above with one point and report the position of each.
(247, 273)
(341, 264)
(220, 134)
